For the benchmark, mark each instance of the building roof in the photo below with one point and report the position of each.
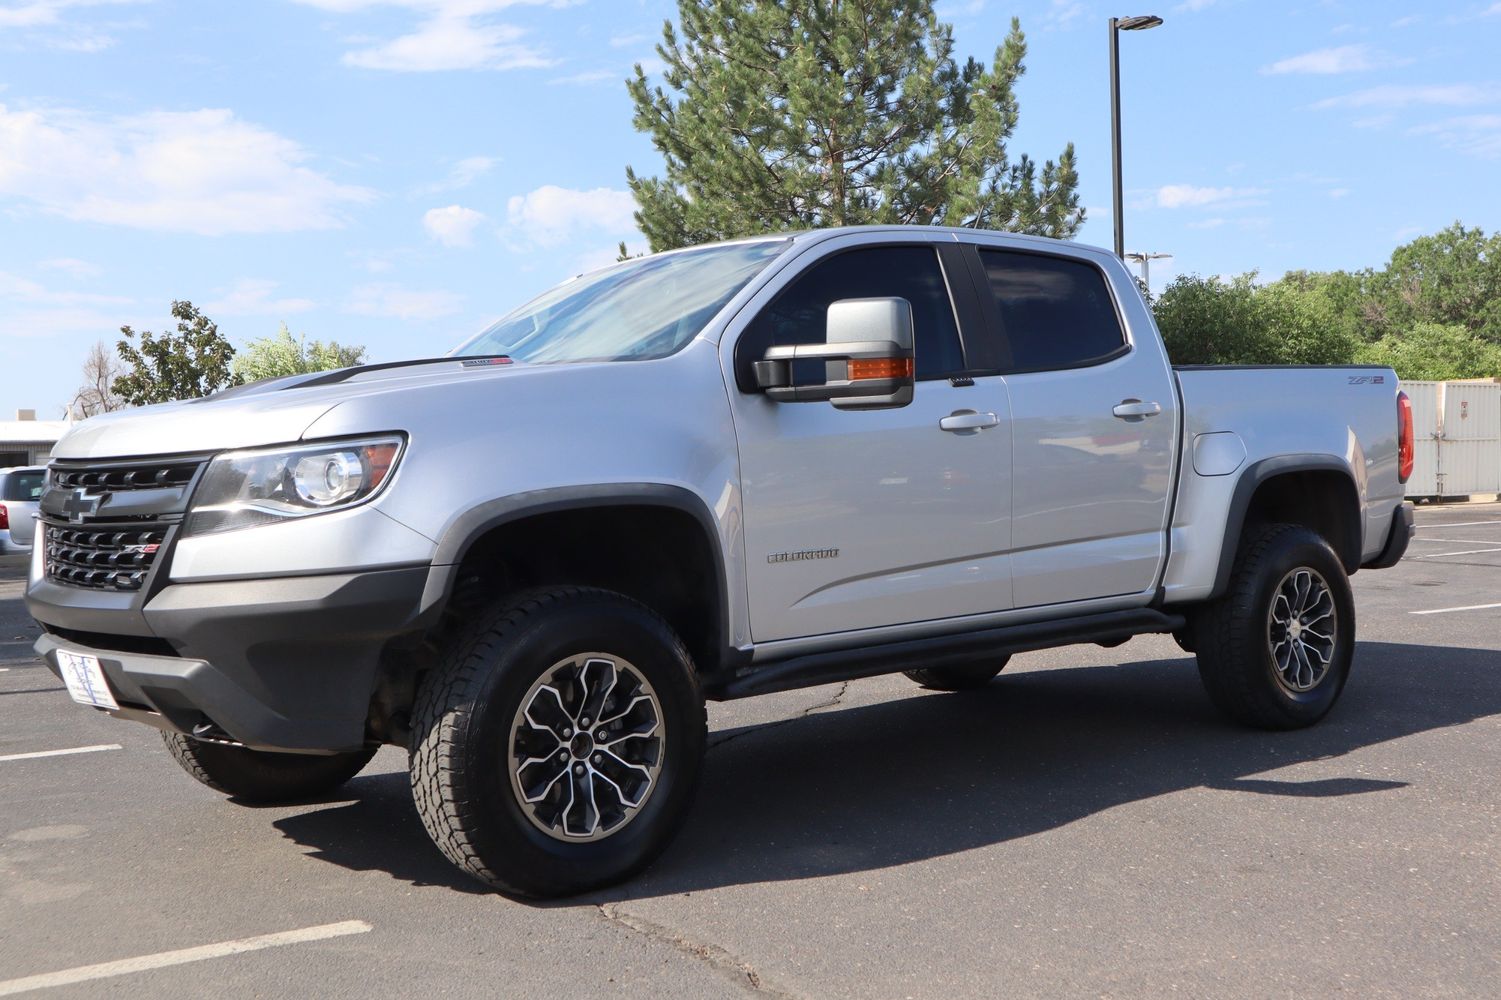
(33, 431)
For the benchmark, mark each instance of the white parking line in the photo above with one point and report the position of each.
(1467, 607)
(1461, 541)
(61, 753)
(161, 960)
(1459, 524)
(1461, 552)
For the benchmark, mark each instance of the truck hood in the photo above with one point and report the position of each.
(272, 411)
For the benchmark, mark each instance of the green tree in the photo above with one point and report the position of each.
(283, 354)
(1209, 321)
(1435, 351)
(1452, 277)
(786, 114)
(193, 362)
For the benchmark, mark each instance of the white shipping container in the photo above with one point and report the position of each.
(1470, 456)
(1426, 430)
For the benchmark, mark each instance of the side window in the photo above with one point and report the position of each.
(799, 314)
(1055, 312)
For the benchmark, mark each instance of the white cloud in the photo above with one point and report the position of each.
(1189, 196)
(590, 76)
(1341, 59)
(1193, 5)
(252, 297)
(452, 226)
(449, 35)
(1338, 193)
(397, 302)
(70, 266)
(626, 41)
(451, 43)
(1479, 135)
(203, 172)
(549, 215)
(1063, 13)
(44, 21)
(1402, 96)
(14, 288)
(462, 174)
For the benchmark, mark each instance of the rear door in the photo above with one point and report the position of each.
(856, 519)
(1093, 425)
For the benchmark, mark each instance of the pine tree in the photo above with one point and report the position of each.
(787, 114)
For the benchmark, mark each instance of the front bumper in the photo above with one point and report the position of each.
(286, 663)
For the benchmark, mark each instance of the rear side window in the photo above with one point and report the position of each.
(799, 315)
(20, 486)
(1055, 313)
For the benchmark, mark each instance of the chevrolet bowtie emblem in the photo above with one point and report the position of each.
(81, 504)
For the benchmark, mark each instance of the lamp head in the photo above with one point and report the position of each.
(1140, 22)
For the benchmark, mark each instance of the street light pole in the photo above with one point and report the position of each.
(1117, 25)
(1145, 260)
(1115, 137)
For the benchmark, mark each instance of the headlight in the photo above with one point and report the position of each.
(242, 489)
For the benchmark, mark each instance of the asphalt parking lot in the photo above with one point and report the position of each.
(1084, 827)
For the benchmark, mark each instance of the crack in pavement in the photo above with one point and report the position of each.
(717, 958)
(764, 727)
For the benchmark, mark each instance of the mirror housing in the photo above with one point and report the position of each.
(868, 362)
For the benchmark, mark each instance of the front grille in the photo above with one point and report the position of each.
(145, 476)
(103, 558)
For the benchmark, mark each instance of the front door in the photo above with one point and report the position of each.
(862, 518)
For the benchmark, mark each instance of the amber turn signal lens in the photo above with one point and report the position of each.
(880, 368)
(380, 457)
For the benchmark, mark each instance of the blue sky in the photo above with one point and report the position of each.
(398, 173)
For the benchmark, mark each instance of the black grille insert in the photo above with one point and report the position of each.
(145, 476)
(103, 558)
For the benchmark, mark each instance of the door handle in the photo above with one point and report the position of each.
(1135, 409)
(968, 420)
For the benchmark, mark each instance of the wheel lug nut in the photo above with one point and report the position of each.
(578, 769)
(562, 755)
(567, 732)
(598, 759)
(584, 722)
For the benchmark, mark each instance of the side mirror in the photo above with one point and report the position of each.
(867, 358)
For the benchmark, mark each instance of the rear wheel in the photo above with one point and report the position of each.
(1275, 651)
(260, 777)
(960, 677)
(557, 748)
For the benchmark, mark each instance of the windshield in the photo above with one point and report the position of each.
(642, 309)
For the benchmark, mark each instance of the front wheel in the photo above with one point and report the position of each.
(557, 749)
(1275, 651)
(259, 777)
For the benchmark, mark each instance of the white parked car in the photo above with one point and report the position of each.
(20, 491)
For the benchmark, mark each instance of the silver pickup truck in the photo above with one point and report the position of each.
(710, 473)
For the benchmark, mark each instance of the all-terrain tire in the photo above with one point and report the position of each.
(1238, 638)
(961, 676)
(475, 709)
(259, 777)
